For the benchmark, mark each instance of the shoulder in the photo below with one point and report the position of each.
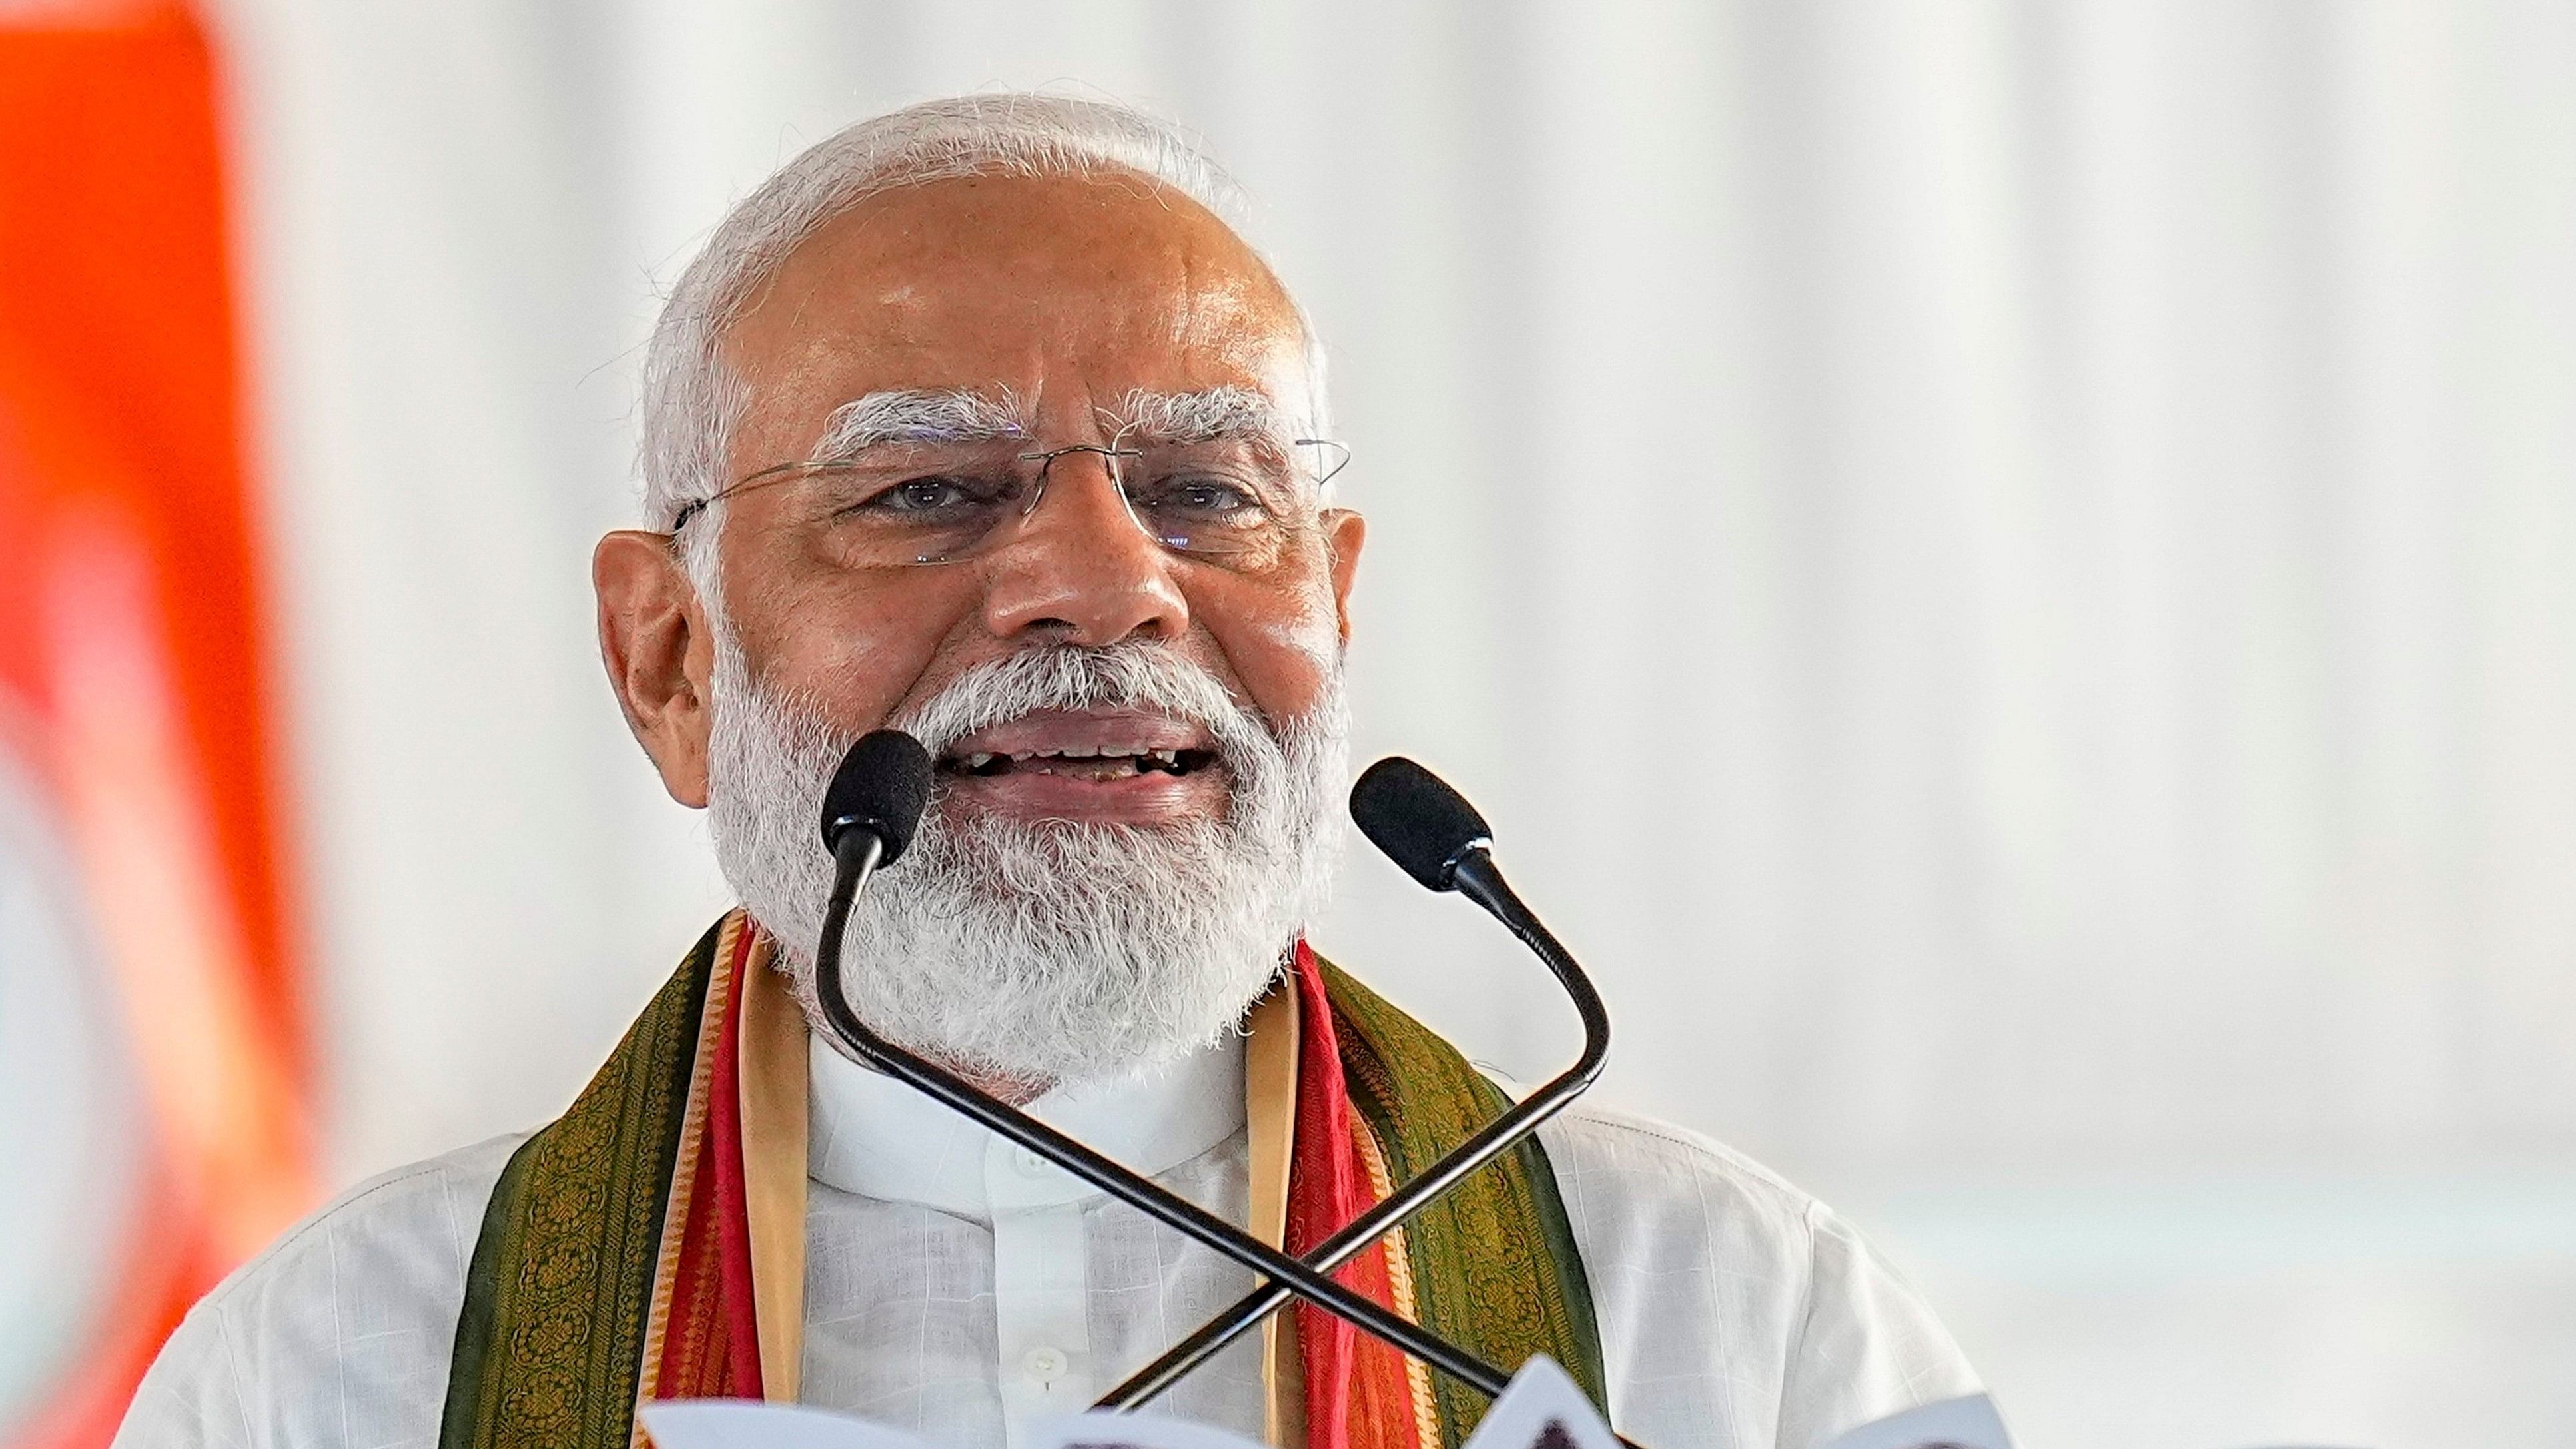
(1638, 1182)
(346, 1320)
(411, 1228)
(1669, 1221)
(1735, 1308)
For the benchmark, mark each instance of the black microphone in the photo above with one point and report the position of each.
(882, 787)
(1439, 839)
(872, 807)
(1436, 837)
(1421, 824)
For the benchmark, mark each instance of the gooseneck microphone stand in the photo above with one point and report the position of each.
(1395, 792)
(875, 802)
(857, 853)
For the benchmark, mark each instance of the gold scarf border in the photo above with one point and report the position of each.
(550, 1346)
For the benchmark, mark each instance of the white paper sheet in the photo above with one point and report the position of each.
(1969, 1423)
(751, 1424)
(1542, 1408)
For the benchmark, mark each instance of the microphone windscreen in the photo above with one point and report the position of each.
(883, 784)
(1413, 815)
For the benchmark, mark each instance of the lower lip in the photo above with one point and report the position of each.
(1141, 799)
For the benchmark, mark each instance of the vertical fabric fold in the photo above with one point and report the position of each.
(776, 1043)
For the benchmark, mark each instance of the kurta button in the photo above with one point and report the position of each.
(1029, 1163)
(1046, 1365)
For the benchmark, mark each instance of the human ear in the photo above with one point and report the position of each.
(1344, 531)
(653, 636)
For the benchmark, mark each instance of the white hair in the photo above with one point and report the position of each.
(1041, 952)
(692, 401)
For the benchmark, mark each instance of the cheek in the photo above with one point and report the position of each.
(855, 646)
(1283, 640)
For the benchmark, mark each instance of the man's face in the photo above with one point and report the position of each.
(1067, 299)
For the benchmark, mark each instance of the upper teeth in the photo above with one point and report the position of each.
(981, 758)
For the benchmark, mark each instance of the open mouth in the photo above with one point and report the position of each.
(1078, 762)
(1114, 764)
(1136, 766)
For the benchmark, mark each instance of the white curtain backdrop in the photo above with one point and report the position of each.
(2006, 573)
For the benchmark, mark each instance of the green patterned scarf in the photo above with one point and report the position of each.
(613, 1265)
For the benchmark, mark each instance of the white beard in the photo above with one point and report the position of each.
(1050, 952)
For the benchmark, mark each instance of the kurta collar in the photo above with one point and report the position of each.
(874, 1136)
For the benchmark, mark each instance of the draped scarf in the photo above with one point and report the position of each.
(615, 1265)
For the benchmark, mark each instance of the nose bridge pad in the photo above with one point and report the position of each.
(1110, 456)
(1037, 492)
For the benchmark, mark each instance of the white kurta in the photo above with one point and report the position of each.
(960, 1290)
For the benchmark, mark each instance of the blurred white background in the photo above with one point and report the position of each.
(2007, 573)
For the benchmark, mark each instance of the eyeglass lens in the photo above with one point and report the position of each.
(1226, 500)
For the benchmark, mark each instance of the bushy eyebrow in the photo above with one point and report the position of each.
(968, 415)
(1201, 417)
(919, 415)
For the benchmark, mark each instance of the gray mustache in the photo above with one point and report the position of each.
(1128, 675)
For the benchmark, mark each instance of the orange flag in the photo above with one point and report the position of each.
(136, 693)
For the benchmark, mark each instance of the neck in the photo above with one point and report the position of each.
(1017, 1091)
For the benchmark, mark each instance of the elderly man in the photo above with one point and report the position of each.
(979, 420)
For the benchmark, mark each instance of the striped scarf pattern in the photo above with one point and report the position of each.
(614, 1265)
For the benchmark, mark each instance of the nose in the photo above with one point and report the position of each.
(1081, 569)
